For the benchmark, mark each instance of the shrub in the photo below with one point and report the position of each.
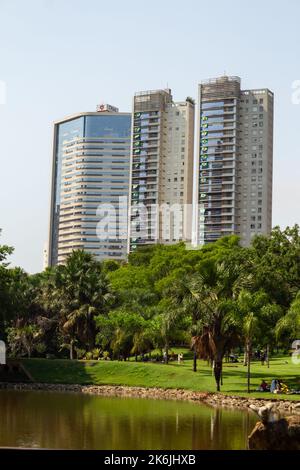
(96, 353)
(80, 353)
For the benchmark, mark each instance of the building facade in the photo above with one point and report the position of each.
(90, 180)
(234, 161)
(161, 169)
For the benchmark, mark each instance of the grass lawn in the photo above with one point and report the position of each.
(166, 376)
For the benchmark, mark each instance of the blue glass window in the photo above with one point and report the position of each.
(113, 126)
(212, 104)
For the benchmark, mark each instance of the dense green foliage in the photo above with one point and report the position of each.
(218, 299)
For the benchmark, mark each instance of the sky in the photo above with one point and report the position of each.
(59, 57)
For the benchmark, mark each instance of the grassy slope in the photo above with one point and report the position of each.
(165, 376)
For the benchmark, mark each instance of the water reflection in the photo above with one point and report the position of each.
(74, 421)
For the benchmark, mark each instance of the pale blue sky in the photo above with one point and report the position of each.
(58, 57)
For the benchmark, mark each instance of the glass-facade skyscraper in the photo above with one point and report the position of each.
(233, 161)
(90, 177)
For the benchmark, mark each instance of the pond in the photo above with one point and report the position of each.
(77, 421)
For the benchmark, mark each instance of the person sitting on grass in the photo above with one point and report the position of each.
(281, 387)
(274, 386)
(264, 387)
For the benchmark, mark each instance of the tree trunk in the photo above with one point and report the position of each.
(218, 372)
(91, 333)
(249, 361)
(167, 352)
(268, 356)
(71, 349)
(136, 358)
(195, 361)
(245, 354)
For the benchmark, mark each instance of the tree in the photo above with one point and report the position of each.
(182, 297)
(5, 310)
(288, 326)
(191, 100)
(276, 264)
(172, 325)
(216, 287)
(23, 339)
(79, 291)
(5, 251)
(123, 332)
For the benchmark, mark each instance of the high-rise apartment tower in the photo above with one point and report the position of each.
(161, 176)
(234, 161)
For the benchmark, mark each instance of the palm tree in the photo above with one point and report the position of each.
(215, 287)
(172, 324)
(77, 292)
(249, 327)
(249, 307)
(186, 303)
